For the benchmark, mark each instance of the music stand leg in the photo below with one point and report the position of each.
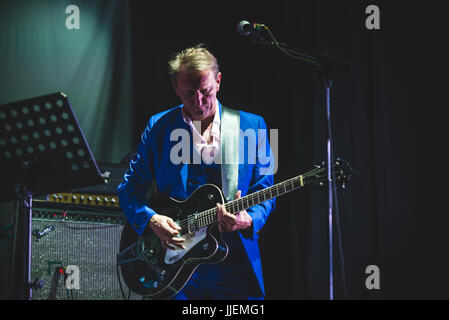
(330, 179)
(20, 287)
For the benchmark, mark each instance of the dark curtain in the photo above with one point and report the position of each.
(388, 122)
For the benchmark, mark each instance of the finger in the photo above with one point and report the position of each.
(219, 212)
(169, 230)
(174, 241)
(222, 212)
(227, 221)
(169, 246)
(224, 228)
(179, 245)
(219, 217)
(232, 225)
(227, 225)
(164, 237)
(229, 218)
(165, 244)
(223, 209)
(238, 195)
(173, 224)
(177, 240)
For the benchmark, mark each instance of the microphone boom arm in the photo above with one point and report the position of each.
(324, 62)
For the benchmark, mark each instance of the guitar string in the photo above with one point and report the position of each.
(209, 216)
(236, 203)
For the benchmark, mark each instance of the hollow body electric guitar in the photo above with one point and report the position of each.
(154, 272)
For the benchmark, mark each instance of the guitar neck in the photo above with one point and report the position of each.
(253, 199)
(208, 217)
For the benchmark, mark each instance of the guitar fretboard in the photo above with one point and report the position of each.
(205, 218)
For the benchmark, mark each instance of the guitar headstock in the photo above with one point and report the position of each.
(318, 176)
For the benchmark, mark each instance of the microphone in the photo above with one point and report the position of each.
(245, 28)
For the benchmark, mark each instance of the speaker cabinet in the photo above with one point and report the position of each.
(73, 255)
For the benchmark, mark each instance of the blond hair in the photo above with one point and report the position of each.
(194, 58)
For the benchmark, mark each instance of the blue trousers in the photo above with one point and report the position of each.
(211, 282)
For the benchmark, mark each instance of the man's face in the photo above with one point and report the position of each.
(198, 92)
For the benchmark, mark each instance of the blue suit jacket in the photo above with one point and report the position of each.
(153, 163)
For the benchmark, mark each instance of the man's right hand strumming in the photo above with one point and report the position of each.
(166, 230)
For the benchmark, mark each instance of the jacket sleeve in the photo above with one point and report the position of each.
(136, 182)
(262, 178)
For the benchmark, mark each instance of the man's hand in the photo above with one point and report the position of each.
(166, 230)
(230, 222)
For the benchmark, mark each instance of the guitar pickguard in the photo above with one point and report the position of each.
(192, 239)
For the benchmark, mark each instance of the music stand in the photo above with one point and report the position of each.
(42, 150)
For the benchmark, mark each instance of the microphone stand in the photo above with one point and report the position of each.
(324, 65)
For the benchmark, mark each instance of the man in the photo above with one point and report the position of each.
(196, 80)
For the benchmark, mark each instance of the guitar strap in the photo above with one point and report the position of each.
(230, 131)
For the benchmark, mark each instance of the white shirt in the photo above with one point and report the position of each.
(208, 151)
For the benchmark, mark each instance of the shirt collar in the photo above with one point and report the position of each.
(215, 130)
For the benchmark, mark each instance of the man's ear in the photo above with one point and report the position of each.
(218, 79)
(173, 82)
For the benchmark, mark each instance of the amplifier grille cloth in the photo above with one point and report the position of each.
(92, 247)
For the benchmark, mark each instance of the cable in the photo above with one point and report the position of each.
(340, 244)
(295, 54)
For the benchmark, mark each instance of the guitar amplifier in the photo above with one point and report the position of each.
(74, 246)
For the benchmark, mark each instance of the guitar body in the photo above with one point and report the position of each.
(152, 271)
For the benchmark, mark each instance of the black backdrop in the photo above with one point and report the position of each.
(388, 122)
